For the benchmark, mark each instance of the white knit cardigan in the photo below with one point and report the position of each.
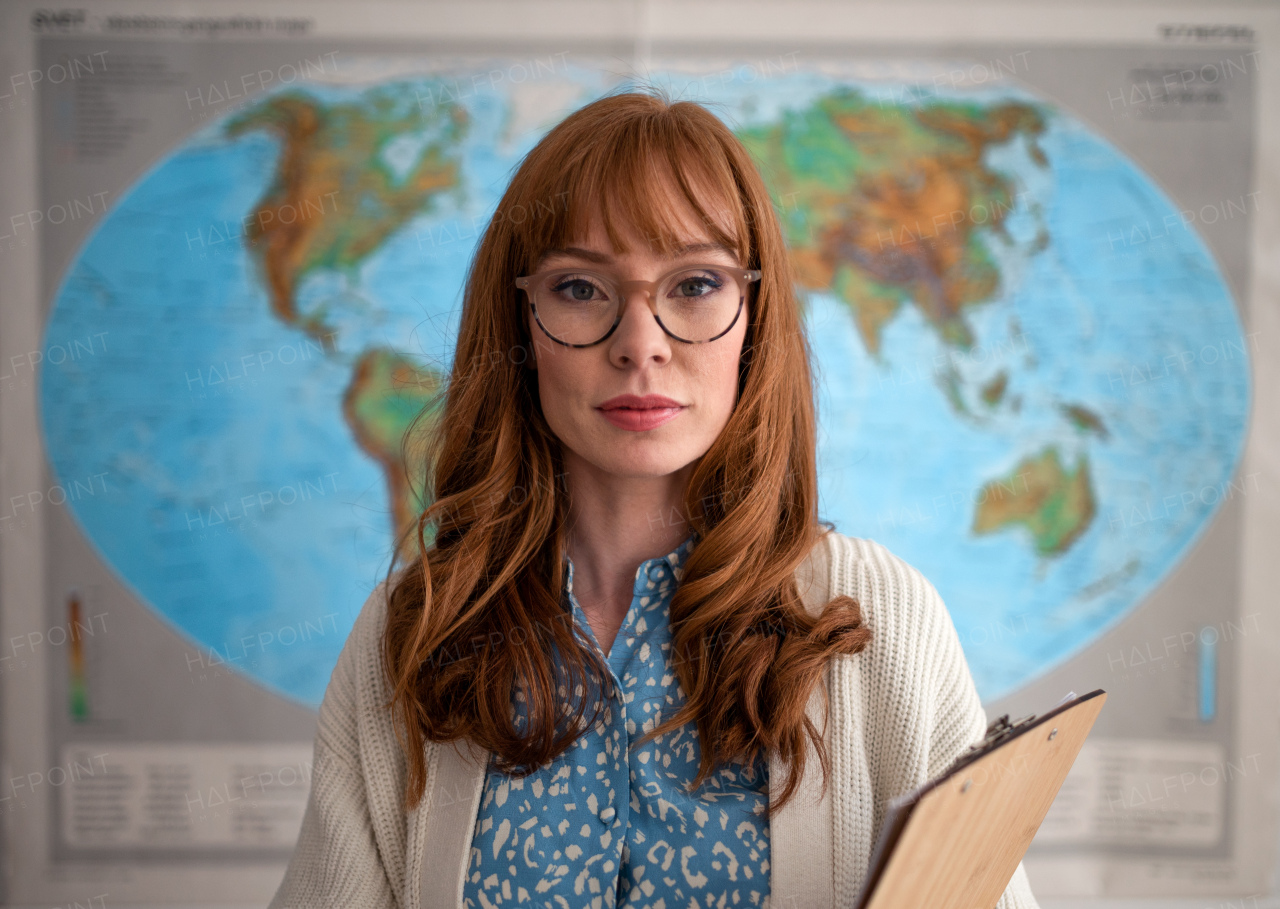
(900, 712)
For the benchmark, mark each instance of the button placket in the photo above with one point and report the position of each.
(600, 784)
(619, 772)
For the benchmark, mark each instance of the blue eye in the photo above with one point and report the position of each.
(696, 287)
(579, 289)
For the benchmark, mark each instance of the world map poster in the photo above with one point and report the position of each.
(1033, 362)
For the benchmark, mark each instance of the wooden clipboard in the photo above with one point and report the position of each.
(955, 842)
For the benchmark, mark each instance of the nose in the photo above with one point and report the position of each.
(638, 337)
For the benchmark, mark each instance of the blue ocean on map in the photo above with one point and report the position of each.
(240, 508)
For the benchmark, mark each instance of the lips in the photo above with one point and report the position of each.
(638, 414)
(632, 402)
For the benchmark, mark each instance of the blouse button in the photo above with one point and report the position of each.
(608, 814)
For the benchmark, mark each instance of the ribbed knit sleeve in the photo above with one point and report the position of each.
(960, 721)
(921, 705)
(336, 862)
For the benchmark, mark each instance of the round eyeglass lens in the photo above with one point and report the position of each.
(695, 303)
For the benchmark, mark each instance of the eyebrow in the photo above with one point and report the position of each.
(605, 259)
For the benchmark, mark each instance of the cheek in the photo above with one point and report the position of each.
(722, 379)
(565, 380)
(722, 371)
(554, 382)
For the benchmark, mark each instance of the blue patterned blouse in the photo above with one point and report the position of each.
(609, 823)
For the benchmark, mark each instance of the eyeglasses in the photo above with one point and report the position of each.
(693, 303)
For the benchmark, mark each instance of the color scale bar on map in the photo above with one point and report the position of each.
(77, 686)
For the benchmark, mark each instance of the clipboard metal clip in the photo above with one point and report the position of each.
(1002, 729)
(998, 730)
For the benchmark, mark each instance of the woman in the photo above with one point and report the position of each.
(630, 666)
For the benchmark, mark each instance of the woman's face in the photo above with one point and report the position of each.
(639, 359)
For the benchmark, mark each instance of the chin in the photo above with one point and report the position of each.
(647, 459)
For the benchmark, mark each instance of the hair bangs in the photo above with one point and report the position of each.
(628, 182)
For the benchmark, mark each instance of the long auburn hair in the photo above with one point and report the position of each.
(476, 608)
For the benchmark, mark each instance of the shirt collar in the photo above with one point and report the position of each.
(674, 560)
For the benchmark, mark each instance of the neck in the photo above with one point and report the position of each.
(615, 523)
